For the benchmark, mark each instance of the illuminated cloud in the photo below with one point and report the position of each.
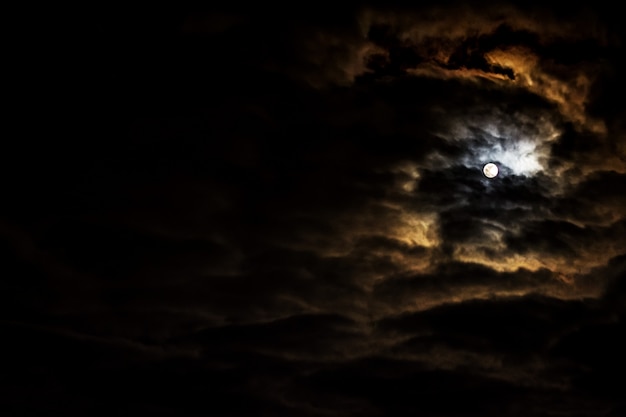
(463, 43)
(288, 216)
(522, 147)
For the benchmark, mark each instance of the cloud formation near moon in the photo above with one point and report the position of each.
(285, 217)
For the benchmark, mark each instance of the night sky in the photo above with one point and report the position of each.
(280, 210)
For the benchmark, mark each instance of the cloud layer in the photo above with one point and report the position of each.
(282, 217)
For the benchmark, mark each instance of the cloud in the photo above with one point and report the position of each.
(503, 45)
(288, 217)
(456, 282)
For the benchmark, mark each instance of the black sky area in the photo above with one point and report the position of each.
(280, 210)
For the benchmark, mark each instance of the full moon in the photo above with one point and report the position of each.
(490, 170)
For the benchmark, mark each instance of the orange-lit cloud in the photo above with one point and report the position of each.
(436, 34)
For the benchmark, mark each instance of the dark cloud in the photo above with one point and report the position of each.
(280, 211)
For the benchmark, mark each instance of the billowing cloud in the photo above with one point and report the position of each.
(288, 216)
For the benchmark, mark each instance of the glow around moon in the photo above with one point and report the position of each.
(490, 170)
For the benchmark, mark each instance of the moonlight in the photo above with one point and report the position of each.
(490, 170)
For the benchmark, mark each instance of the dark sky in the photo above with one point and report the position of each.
(281, 211)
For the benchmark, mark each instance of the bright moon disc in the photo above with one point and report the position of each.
(490, 170)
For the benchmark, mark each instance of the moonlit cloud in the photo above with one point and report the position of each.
(512, 141)
(282, 211)
(456, 45)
